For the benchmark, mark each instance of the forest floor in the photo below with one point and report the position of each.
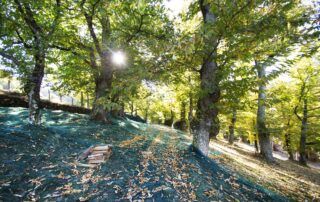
(149, 162)
(285, 177)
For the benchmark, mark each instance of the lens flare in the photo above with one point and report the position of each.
(118, 58)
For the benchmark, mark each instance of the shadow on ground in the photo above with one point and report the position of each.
(149, 162)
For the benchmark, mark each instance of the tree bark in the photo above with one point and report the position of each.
(215, 128)
(232, 125)
(33, 86)
(303, 137)
(263, 134)
(209, 82)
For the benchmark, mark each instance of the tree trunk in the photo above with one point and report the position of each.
(81, 100)
(33, 86)
(263, 134)
(104, 79)
(256, 146)
(88, 101)
(49, 95)
(60, 96)
(146, 113)
(9, 84)
(288, 146)
(288, 141)
(303, 137)
(209, 83)
(232, 125)
(190, 115)
(215, 128)
(103, 85)
(131, 108)
(71, 101)
(183, 116)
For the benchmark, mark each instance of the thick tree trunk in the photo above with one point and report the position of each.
(303, 137)
(232, 125)
(104, 79)
(33, 87)
(209, 84)
(103, 85)
(263, 134)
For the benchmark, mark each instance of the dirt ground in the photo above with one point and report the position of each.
(149, 163)
(285, 177)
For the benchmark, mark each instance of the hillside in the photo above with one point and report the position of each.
(149, 162)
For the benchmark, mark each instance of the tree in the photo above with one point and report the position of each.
(308, 84)
(30, 26)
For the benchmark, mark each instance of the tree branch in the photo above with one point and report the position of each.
(9, 57)
(56, 19)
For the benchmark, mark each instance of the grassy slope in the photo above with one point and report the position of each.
(149, 162)
(286, 177)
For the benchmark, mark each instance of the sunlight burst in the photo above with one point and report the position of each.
(118, 58)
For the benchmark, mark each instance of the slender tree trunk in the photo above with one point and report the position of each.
(256, 146)
(209, 82)
(88, 101)
(171, 117)
(71, 101)
(190, 115)
(146, 113)
(60, 96)
(232, 125)
(288, 145)
(34, 86)
(9, 84)
(131, 108)
(81, 99)
(288, 141)
(303, 137)
(263, 134)
(49, 95)
(183, 116)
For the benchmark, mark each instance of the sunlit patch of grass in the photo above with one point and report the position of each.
(287, 178)
(129, 143)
